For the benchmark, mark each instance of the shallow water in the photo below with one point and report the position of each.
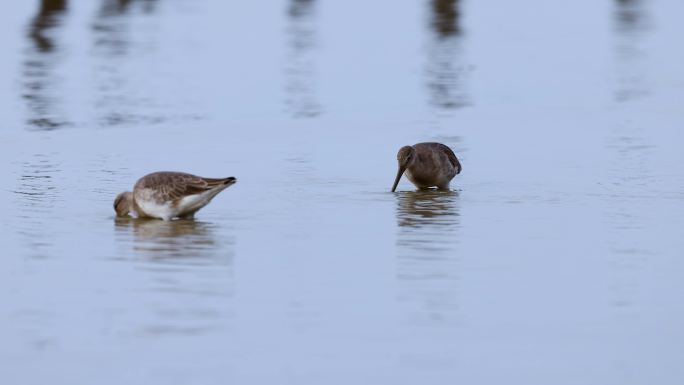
(557, 257)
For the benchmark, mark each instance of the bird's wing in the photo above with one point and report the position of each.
(452, 157)
(172, 186)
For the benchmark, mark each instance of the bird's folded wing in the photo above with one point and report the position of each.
(452, 158)
(191, 185)
(169, 186)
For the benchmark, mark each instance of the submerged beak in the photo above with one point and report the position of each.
(399, 174)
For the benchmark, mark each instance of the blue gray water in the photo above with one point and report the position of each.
(556, 259)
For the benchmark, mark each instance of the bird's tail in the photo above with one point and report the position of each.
(215, 182)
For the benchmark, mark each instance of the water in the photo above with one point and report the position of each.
(556, 259)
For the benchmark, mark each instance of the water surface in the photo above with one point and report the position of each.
(556, 259)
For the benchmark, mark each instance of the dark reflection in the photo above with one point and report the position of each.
(427, 208)
(119, 39)
(446, 68)
(120, 7)
(300, 88)
(48, 17)
(445, 17)
(181, 241)
(632, 22)
(427, 258)
(630, 16)
(113, 23)
(39, 78)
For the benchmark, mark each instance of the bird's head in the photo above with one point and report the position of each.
(404, 158)
(123, 204)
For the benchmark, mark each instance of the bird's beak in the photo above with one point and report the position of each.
(399, 174)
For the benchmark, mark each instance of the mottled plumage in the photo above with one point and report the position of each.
(168, 195)
(427, 165)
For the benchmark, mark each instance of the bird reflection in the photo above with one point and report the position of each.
(446, 68)
(427, 259)
(427, 208)
(300, 85)
(188, 274)
(631, 24)
(173, 241)
(39, 75)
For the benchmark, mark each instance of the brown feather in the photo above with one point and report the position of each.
(444, 149)
(173, 186)
(428, 165)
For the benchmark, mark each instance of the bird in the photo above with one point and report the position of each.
(427, 165)
(167, 195)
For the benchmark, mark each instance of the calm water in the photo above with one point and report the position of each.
(557, 259)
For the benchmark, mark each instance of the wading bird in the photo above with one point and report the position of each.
(427, 165)
(168, 195)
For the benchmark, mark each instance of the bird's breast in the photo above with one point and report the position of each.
(150, 206)
(417, 178)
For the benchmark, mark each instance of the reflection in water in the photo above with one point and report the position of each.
(120, 7)
(189, 275)
(630, 16)
(631, 25)
(116, 40)
(300, 85)
(630, 159)
(179, 241)
(428, 208)
(426, 256)
(111, 26)
(446, 68)
(445, 17)
(624, 213)
(48, 17)
(43, 56)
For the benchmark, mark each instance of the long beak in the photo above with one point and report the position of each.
(399, 174)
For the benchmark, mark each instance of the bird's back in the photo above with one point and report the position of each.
(169, 194)
(438, 158)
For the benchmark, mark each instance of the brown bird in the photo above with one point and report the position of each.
(167, 195)
(427, 165)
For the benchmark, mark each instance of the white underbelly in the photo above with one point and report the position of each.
(195, 202)
(167, 210)
(152, 209)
